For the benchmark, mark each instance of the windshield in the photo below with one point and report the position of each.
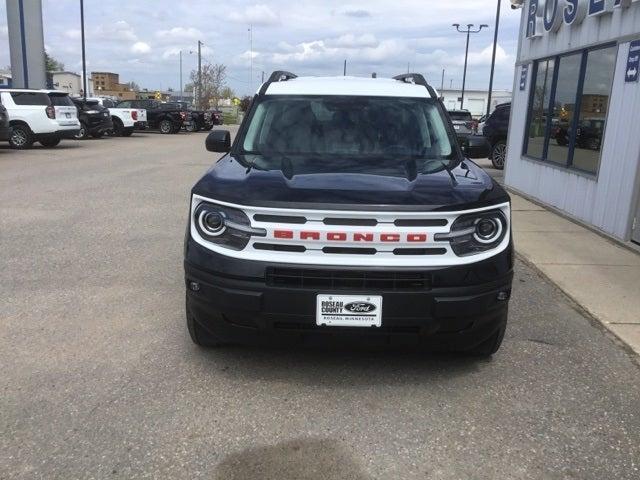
(359, 128)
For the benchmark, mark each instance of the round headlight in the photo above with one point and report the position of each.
(211, 222)
(488, 229)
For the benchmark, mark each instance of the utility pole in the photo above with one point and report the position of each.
(442, 82)
(250, 59)
(493, 57)
(344, 74)
(181, 97)
(468, 31)
(200, 74)
(263, 76)
(84, 59)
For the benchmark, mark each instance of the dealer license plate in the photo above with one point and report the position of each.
(349, 310)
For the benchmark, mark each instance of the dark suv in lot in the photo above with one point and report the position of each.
(496, 131)
(95, 120)
(164, 117)
(5, 129)
(347, 209)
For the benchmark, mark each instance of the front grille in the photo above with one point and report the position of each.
(347, 279)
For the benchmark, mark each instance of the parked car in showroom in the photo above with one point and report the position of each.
(496, 131)
(5, 129)
(346, 208)
(45, 116)
(165, 117)
(125, 120)
(95, 120)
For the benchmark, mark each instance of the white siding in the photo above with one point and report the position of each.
(606, 201)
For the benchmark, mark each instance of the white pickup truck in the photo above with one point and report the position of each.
(125, 120)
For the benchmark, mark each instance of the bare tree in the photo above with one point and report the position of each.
(214, 78)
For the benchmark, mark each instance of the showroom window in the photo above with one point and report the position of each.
(568, 108)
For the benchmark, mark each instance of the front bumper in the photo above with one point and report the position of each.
(456, 308)
(67, 133)
(5, 132)
(100, 124)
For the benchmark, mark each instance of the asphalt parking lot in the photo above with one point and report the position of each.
(100, 380)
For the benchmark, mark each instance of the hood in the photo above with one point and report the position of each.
(342, 185)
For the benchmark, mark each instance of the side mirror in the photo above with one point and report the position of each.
(218, 141)
(475, 146)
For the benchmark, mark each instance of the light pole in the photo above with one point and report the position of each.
(493, 57)
(468, 31)
(181, 97)
(84, 60)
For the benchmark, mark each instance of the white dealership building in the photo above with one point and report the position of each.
(574, 136)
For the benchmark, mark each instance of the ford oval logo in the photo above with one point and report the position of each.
(360, 307)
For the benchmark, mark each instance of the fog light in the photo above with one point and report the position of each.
(502, 296)
(194, 286)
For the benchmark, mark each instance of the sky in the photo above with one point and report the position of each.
(141, 39)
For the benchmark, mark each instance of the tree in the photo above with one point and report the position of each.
(51, 64)
(245, 103)
(133, 86)
(209, 88)
(227, 92)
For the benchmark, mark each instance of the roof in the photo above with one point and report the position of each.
(65, 72)
(36, 90)
(370, 87)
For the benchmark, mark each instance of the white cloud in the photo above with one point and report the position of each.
(140, 47)
(119, 31)
(352, 41)
(171, 53)
(72, 33)
(180, 33)
(484, 57)
(256, 15)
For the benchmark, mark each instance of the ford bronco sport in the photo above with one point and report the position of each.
(345, 208)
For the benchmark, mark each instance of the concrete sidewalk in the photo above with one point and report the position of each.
(598, 274)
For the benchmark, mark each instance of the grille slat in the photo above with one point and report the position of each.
(347, 279)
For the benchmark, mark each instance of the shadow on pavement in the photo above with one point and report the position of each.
(300, 459)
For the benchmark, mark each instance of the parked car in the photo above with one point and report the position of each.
(496, 131)
(164, 117)
(463, 122)
(199, 119)
(343, 211)
(45, 116)
(95, 120)
(589, 134)
(5, 129)
(216, 118)
(125, 120)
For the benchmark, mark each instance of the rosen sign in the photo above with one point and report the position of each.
(547, 16)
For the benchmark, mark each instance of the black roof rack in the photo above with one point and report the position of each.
(417, 79)
(277, 76)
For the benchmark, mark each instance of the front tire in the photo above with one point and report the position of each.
(499, 154)
(83, 133)
(21, 137)
(50, 143)
(127, 132)
(490, 345)
(199, 335)
(165, 127)
(97, 134)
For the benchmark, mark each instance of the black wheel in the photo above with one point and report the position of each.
(165, 127)
(118, 127)
(127, 132)
(97, 134)
(499, 154)
(83, 133)
(21, 137)
(206, 128)
(489, 346)
(176, 129)
(199, 335)
(190, 127)
(50, 142)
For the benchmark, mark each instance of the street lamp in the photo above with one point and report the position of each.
(468, 31)
(493, 55)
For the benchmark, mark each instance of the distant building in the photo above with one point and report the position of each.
(474, 100)
(5, 80)
(108, 84)
(69, 82)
